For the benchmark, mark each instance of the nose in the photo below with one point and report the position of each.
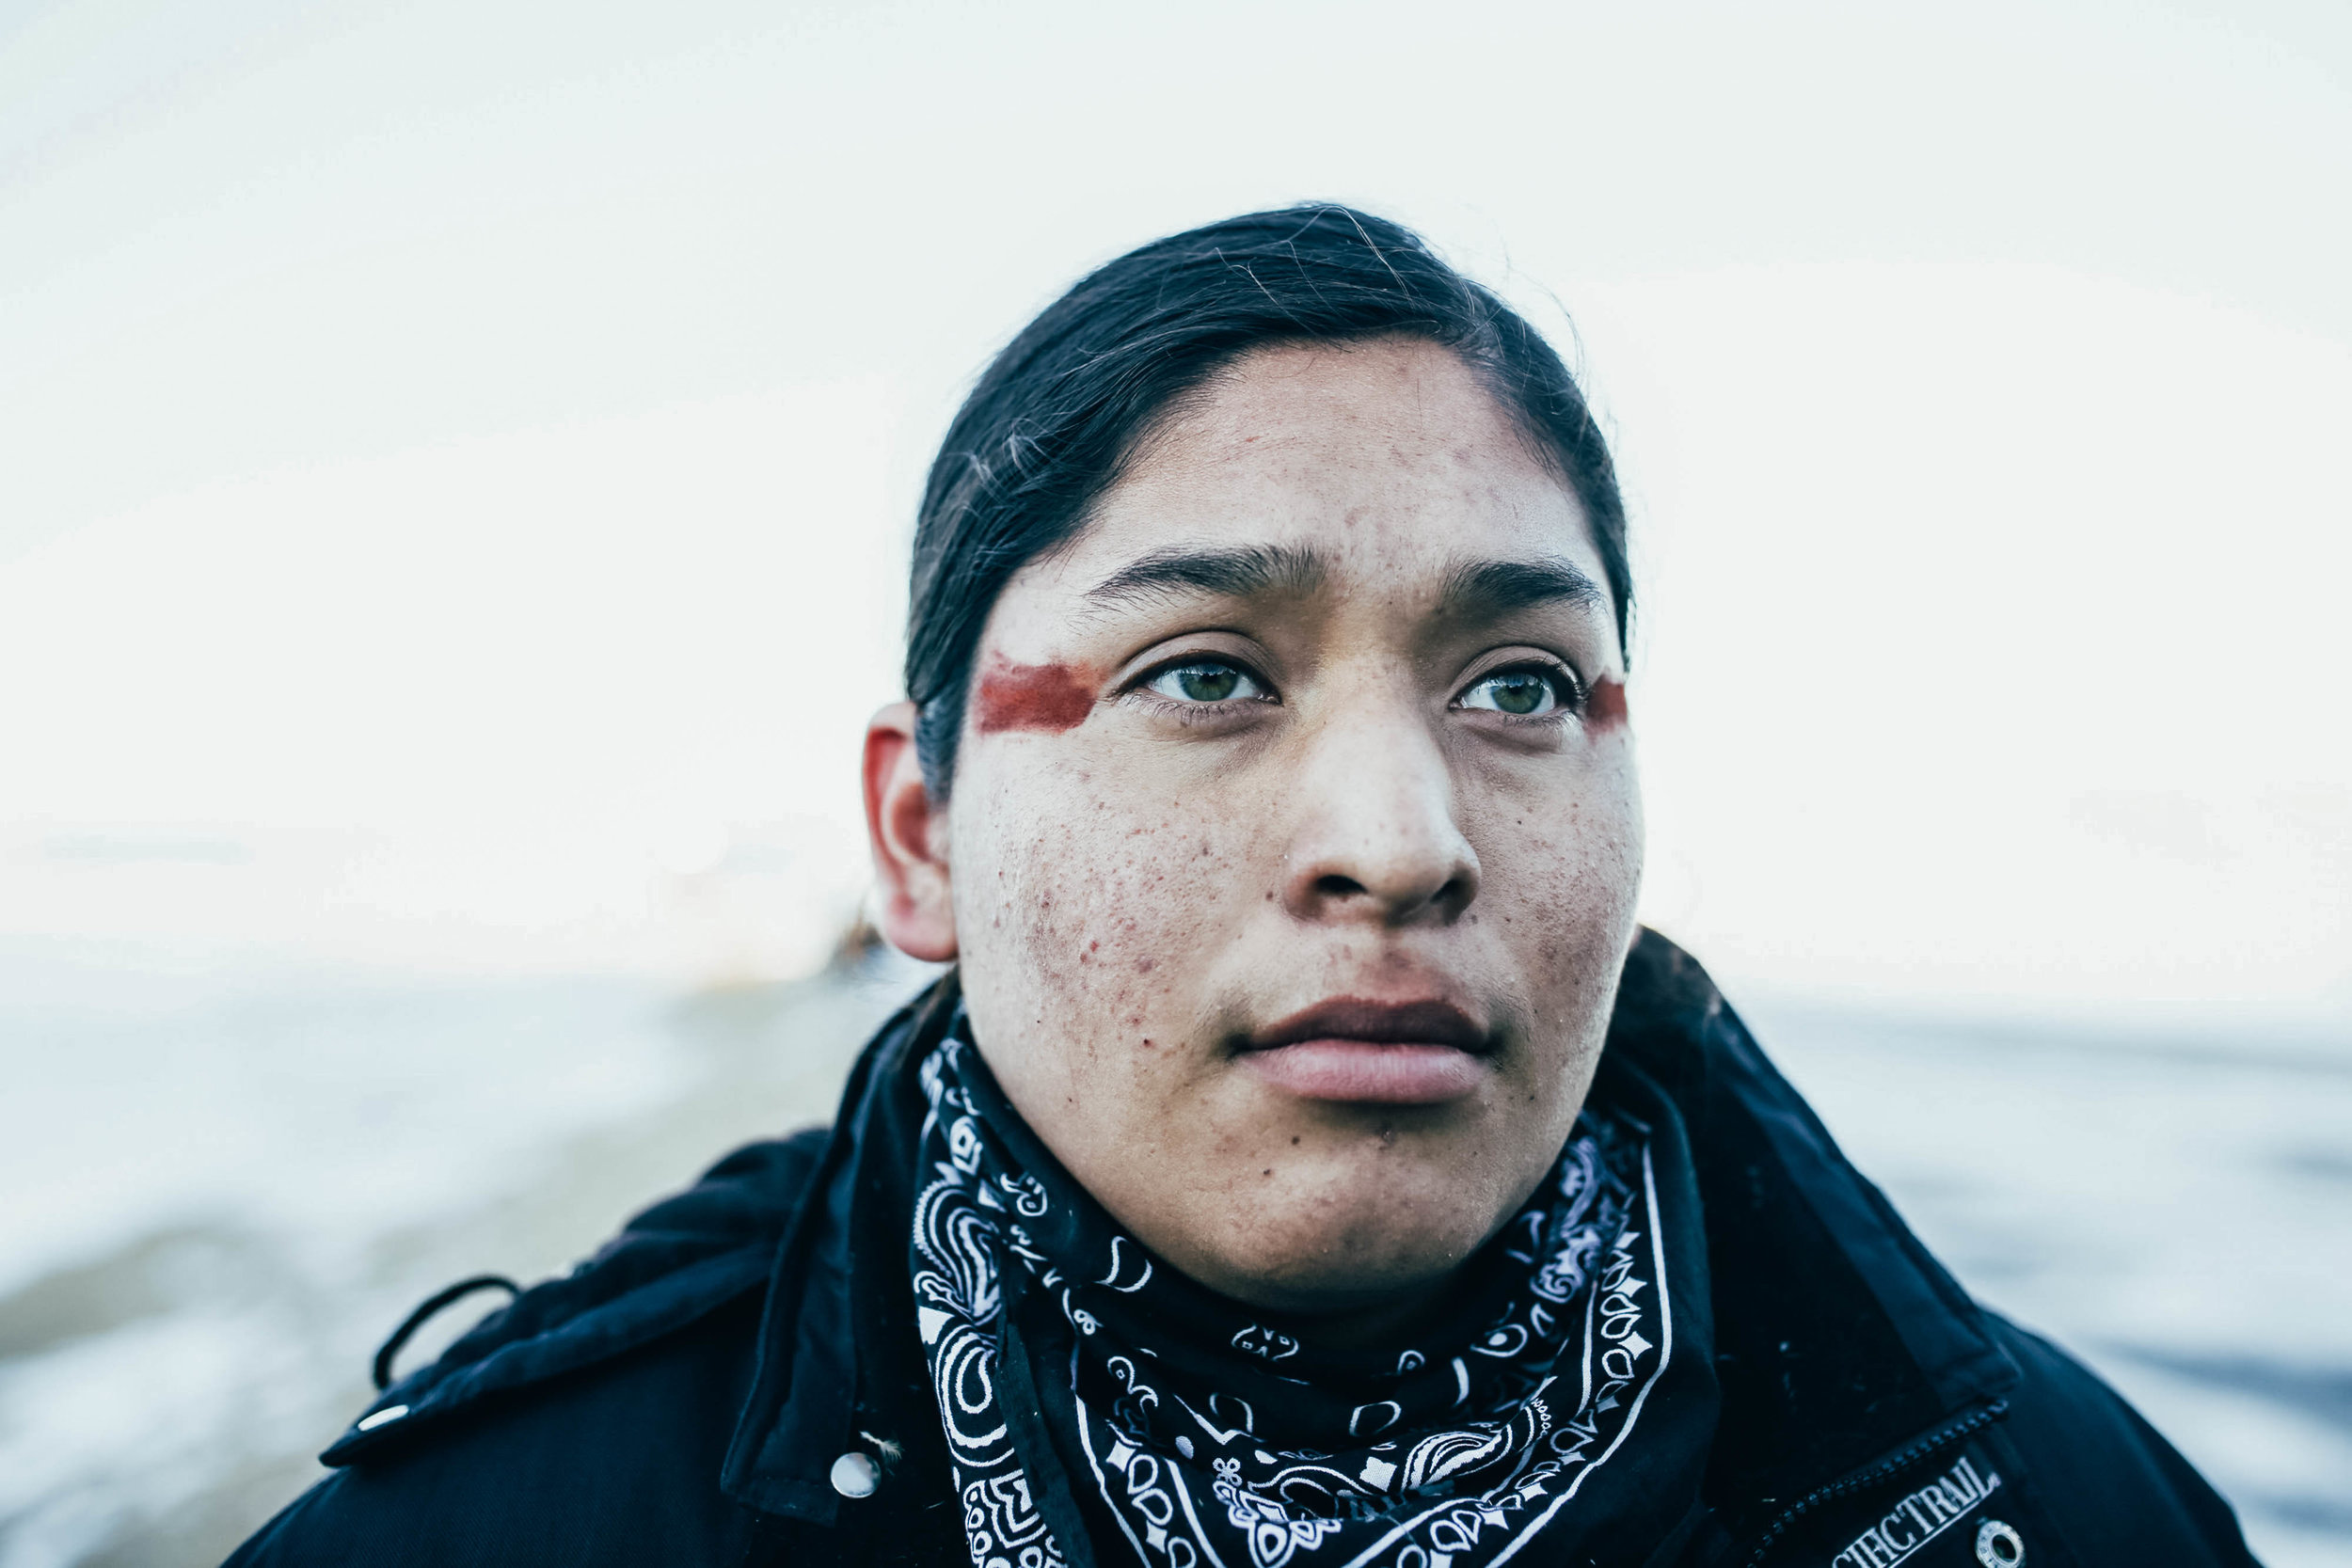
(1376, 840)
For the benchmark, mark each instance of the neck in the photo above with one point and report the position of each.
(1386, 1317)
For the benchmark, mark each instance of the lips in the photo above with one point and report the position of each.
(1356, 1050)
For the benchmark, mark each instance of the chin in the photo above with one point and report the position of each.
(1338, 1275)
(1350, 1245)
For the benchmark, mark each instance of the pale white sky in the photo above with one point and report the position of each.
(456, 460)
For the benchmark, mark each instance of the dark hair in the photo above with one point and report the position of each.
(1054, 417)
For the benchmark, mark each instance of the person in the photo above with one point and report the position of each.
(1306, 1161)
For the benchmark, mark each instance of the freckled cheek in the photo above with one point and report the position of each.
(1110, 913)
(1560, 874)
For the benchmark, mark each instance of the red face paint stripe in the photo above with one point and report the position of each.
(1048, 697)
(1604, 707)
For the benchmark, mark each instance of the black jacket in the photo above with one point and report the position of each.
(686, 1395)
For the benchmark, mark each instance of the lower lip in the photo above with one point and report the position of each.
(1365, 1074)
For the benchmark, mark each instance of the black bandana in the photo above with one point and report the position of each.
(1101, 1408)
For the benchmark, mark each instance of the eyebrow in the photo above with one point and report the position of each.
(1488, 589)
(1240, 573)
(1472, 589)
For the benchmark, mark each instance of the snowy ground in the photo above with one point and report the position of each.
(223, 1190)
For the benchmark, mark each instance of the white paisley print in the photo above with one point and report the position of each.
(1191, 1436)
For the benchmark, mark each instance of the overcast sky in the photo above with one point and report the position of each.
(456, 460)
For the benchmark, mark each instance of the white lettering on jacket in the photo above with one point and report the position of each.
(1919, 1519)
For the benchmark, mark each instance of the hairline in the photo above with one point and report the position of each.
(1151, 434)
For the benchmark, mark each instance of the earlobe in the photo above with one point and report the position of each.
(902, 825)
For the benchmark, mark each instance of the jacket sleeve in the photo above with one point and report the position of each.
(614, 1464)
(586, 1422)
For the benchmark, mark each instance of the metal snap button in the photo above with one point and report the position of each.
(389, 1413)
(2000, 1547)
(856, 1475)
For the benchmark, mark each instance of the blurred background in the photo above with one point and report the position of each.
(456, 463)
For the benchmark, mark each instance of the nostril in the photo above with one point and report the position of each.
(1333, 885)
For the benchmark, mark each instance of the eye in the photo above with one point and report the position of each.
(1205, 680)
(1524, 692)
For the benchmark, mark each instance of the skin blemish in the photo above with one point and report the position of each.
(1048, 697)
(1605, 708)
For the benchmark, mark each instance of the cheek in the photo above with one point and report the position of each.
(1090, 905)
(1562, 872)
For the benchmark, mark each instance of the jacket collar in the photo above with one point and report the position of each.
(838, 1369)
(1838, 1337)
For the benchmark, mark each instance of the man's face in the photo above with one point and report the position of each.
(1294, 835)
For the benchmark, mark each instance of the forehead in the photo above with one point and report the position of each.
(1390, 459)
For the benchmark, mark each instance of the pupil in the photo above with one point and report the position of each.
(1206, 683)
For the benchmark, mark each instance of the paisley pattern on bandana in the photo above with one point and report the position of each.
(1200, 1436)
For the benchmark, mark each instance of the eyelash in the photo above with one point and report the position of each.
(1199, 713)
(1567, 687)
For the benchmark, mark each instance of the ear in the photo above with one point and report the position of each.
(909, 837)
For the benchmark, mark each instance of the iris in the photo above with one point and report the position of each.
(1522, 693)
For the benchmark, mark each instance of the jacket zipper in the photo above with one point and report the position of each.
(1924, 1447)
